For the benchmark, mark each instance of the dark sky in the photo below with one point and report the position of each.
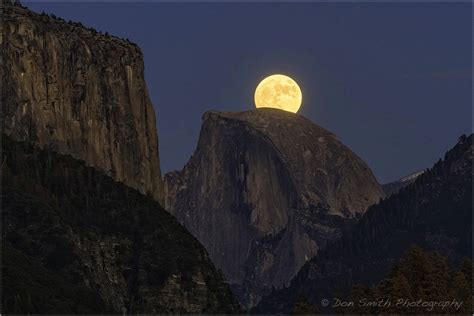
(393, 81)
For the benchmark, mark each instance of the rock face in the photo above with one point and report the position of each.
(263, 191)
(434, 212)
(82, 93)
(76, 241)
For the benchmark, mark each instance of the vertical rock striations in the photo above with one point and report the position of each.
(263, 191)
(79, 92)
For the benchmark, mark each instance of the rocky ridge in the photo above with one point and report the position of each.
(264, 190)
(395, 186)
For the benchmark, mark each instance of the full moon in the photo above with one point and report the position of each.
(279, 92)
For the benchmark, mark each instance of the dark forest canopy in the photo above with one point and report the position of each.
(76, 241)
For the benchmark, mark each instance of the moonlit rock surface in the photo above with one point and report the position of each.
(263, 191)
(81, 93)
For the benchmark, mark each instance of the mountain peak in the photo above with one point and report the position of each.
(281, 183)
(308, 151)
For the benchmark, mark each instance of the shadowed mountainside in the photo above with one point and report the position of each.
(76, 241)
(434, 212)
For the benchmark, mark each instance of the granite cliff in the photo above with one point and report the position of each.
(434, 213)
(263, 191)
(82, 230)
(76, 241)
(82, 93)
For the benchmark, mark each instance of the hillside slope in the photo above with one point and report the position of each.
(434, 212)
(76, 241)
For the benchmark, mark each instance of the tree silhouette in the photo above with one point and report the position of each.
(418, 276)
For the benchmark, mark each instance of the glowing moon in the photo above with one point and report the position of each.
(280, 92)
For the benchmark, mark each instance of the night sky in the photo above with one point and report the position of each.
(393, 81)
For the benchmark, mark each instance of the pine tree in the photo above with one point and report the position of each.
(419, 276)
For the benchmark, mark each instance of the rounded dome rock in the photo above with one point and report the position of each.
(263, 191)
(321, 169)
